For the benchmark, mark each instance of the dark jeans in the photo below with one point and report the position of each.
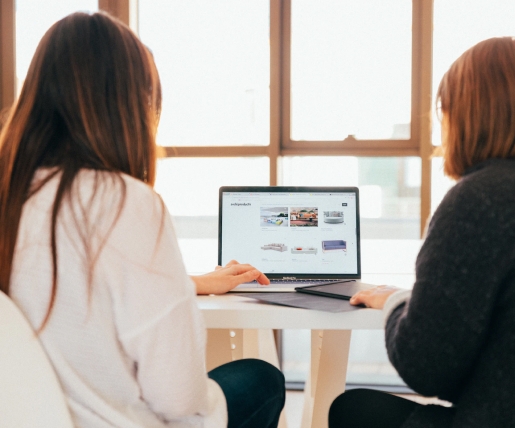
(254, 391)
(366, 408)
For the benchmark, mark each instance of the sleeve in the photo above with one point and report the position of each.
(159, 324)
(434, 339)
(394, 300)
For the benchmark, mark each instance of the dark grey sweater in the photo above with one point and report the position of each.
(455, 338)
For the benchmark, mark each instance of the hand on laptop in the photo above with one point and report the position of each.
(374, 298)
(225, 278)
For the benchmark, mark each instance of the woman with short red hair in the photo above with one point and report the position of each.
(453, 336)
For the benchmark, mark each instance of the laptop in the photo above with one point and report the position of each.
(297, 236)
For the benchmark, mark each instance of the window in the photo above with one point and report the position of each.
(33, 19)
(389, 189)
(189, 187)
(214, 61)
(345, 82)
(460, 24)
(267, 92)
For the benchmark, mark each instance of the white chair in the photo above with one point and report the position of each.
(30, 394)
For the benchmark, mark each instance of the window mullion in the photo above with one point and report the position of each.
(285, 73)
(7, 53)
(276, 114)
(125, 10)
(422, 75)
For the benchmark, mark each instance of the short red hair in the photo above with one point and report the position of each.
(477, 98)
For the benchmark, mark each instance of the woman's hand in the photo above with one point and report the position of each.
(225, 278)
(374, 298)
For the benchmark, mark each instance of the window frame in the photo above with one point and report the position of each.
(7, 53)
(350, 145)
(281, 144)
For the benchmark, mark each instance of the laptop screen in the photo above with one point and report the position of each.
(305, 232)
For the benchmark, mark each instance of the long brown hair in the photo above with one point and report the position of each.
(91, 99)
(477, 98)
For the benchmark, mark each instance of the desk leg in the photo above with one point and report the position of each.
(224, 345)
(219, 347)
(326, 380)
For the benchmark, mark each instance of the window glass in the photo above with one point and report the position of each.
(351, 69)
(389, 189)
(460, 24)
(189, 187)
(33, 19)
(214, 61)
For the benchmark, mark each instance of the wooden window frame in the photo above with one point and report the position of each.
(418, 145)
(7, 53)
(350, 145)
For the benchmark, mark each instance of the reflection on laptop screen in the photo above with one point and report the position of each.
(314, 232)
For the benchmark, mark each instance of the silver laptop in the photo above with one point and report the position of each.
(295, 235)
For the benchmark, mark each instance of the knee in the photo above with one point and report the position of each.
(351, 398)
(262, 375)
(346, 406)
(252, 374)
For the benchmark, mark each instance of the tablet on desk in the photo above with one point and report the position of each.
(338, 290)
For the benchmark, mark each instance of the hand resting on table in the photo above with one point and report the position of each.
(374, 298)
(225, 278)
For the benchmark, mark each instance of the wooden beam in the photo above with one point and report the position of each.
(286, 72)
(351, 143)
(256, 151)
(125, 10)
(423, 50)
(7, 54)
(275, 90)
(350, 151)
(218, 151)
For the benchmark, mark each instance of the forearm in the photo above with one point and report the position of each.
(395, 300)
(203, 285)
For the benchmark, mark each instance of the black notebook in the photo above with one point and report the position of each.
(338, 290)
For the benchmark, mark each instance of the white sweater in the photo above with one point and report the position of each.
(128, 341)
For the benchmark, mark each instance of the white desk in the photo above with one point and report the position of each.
(240, 327)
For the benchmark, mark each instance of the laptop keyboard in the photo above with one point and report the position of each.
(300, 282)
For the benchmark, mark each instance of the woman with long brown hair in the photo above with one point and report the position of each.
(453, 336)
(88, 251)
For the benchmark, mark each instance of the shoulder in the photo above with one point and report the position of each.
(477, 213)
(141, 199)
(485, 189)
(488, 180)
(112, 182)
(109, 193)
(119, 210)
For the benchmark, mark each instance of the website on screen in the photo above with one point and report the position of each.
(302, 233)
